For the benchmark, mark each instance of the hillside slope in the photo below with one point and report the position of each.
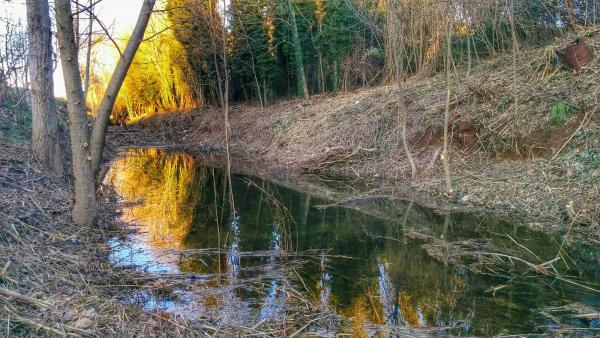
(539, 157)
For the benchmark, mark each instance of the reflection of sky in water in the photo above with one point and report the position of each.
(134, 252)
(180, 302)
(271, 306)
(325, 281)
(234, 249)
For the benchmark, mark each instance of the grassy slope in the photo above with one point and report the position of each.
(501, 154)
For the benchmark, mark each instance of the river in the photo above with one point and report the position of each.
(384, 266)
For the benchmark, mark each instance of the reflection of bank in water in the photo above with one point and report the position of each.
(180, 206)
(160, 191)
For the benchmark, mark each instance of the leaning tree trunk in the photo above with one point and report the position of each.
(45, 139)
(300, 76)
(116, 81)
(85, 208)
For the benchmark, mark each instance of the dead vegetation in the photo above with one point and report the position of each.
(504, 157)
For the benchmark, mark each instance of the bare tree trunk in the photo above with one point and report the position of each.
(258, 91)
(445, 153)
(319, 13)
(397, 41)
(118, 76)
(45, 139)
(321, 73)
(301, 77)
(571, 14)
(515, 52)
(226, 107)
(85, 208)
(469, 61)
(226, 117)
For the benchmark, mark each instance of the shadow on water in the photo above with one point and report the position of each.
(379, 262)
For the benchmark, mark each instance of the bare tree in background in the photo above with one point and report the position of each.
(45, 139)
(446, 152)
(226, 106)
(87, 148)
(88, 54)
(396, 38)
(116, 81)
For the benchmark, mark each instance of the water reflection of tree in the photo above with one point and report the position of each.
(160, 190)
(389, 281)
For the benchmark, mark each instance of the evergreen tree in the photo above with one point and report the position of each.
(252, 62)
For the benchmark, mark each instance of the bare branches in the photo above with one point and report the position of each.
(116, 81)
(13, 55)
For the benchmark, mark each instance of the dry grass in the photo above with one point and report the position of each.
(53, 274)
(503, 156)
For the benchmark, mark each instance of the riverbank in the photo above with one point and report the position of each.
(56, 278)
(535, 154)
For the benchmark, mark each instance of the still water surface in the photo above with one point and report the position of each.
(375, 261)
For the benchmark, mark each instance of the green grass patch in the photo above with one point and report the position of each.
(559, 112)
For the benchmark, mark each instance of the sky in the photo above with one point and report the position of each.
(119, 16)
